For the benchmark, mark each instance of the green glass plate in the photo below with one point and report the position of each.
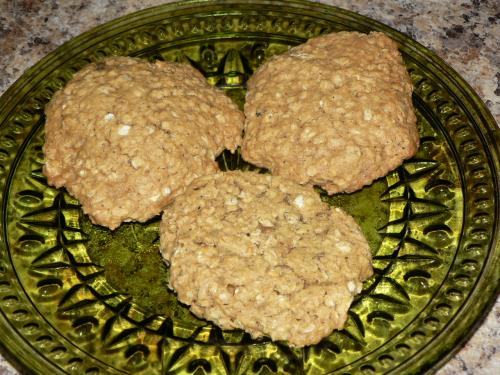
(76, 298)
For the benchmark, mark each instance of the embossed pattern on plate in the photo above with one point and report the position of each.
(76, 298)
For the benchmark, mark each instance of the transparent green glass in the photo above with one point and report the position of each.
(78, 299)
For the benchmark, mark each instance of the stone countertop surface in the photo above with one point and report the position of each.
(466, 34)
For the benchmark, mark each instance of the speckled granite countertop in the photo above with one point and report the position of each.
(466, 34)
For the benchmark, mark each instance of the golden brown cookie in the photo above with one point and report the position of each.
(263, 254)
(335, 112)
(125, 136)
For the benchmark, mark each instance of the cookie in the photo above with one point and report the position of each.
(334, 112)
(125, 136)
(263, 254)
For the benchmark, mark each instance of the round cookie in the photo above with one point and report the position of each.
(335, 112)
(125, 136)
(263, 254)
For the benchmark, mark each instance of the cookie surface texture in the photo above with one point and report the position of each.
(125, 136)
(263, 254)
(335, 112)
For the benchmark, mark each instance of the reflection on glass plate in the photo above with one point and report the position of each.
(76, 298)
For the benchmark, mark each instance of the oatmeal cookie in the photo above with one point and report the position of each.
(263, 254)
(125, 136)
(335, 112)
